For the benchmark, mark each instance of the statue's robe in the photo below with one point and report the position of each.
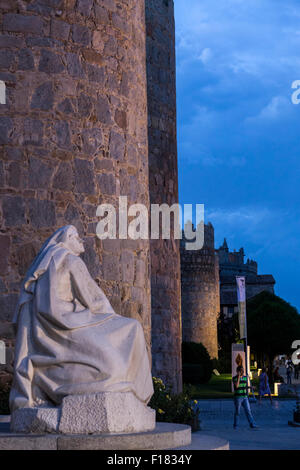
(70, 341)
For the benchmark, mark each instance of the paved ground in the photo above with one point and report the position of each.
(273, 433)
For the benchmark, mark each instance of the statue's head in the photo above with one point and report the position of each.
(72, 240)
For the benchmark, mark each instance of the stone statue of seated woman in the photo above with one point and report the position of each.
(79, 366)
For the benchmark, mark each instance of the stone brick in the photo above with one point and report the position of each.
(140, 273)
(85, 105)
(26, 61)
(33, 132)
(98, 42)
(112, 83)
(6, 129)
(66, 106)
(132, 155)
(10, 41)
(107, 183)
(25, 255)
(121, 119)
(41, 42)
(14, 175)
(13, 211)
(110, 47)
(110, 267)
(117, 145)
(46, 7)
(84, 176)
(13, 153)
(22, 24)
(91, 257)
(4, 253)
(8, 77)
(84, 7)
(72, 217)
(109, 4)
(43, 97)
(74, 66)
(101, 14)
(103, 111)
(101, 164)
(8, 304)
(81, 35)
(6, 59)
(93, 57)
(42, 213)
(50, 62)
(64, 178)
(111, 245)
(127, 267)
(60, 29)
(120, 23)
(92, 140)
(95, 74)
(39, 174)
(63, 134)
(7, 330)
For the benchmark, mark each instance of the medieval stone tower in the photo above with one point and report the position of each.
(163, 184)
(200, 293)
(82, 81)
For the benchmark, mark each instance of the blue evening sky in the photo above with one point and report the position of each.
(238, 130)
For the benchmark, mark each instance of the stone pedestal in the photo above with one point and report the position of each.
(164, 436)
(87, 414)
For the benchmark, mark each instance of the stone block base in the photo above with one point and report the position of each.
(35, 420)
(87, 414)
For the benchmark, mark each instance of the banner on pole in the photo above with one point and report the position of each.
(241, 295)
(237, 359)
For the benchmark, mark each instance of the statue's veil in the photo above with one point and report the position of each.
(55, 249)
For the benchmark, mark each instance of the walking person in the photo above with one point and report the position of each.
(264, 387)
(277, 377)
(240, 384)
(296, 371)
(289, 371)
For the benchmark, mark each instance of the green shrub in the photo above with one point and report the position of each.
(197, 366)
(174, 408)
(195, 374)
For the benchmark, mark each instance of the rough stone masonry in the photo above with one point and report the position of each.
(74, 134)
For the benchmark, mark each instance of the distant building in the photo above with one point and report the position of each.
(200, 296)
(231, 264)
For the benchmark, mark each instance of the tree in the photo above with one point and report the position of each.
(272, 324)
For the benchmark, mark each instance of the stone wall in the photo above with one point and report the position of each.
(73, 134)
(163, 177)
(200, 293)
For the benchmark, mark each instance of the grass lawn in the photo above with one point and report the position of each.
(219, 386)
